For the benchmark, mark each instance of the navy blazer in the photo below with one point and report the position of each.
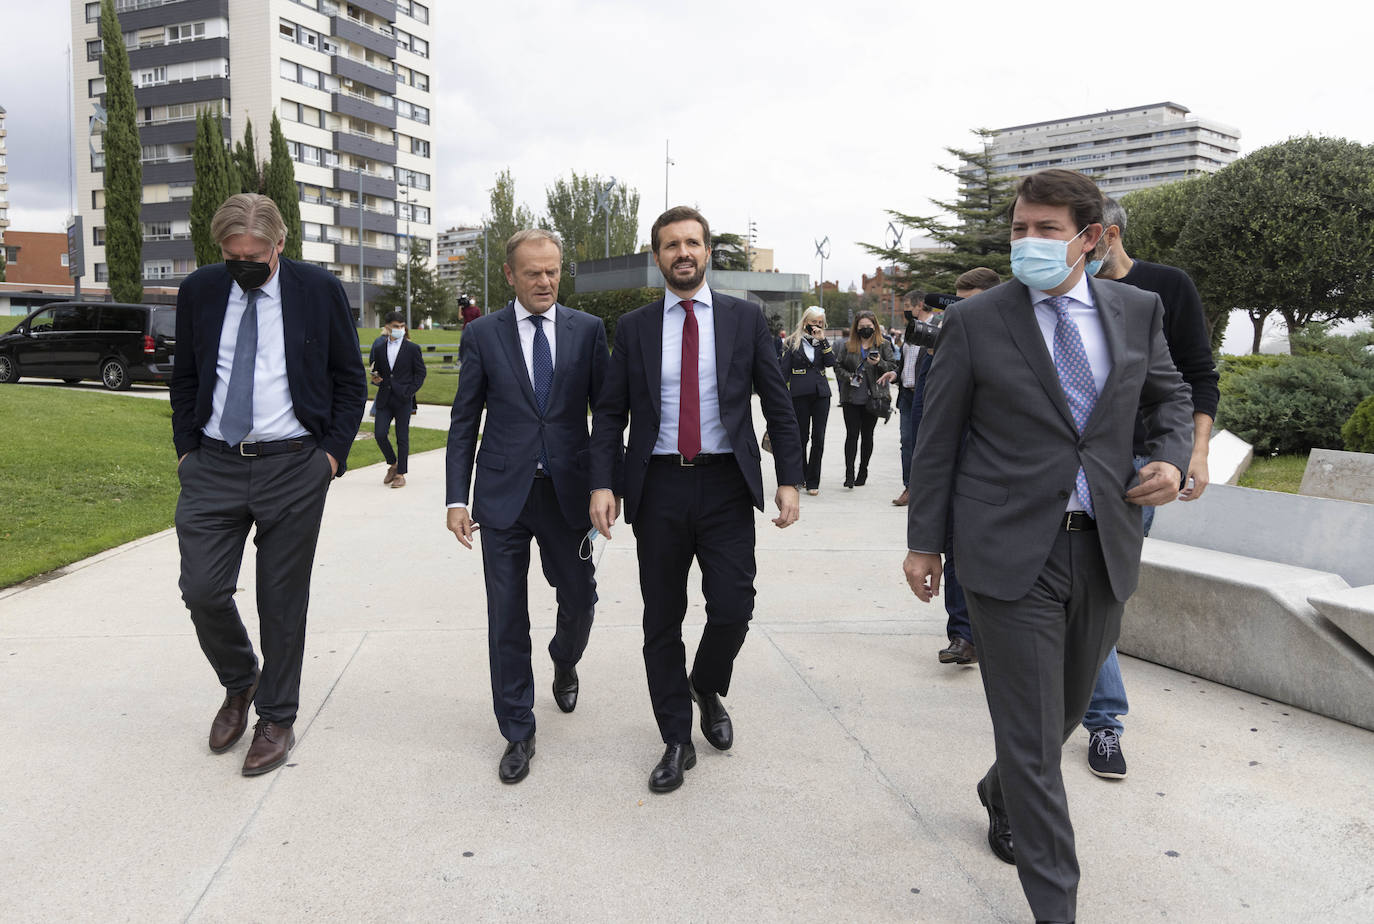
(492, 374)
(324, 367)
(399, 385)
(806, 377)
(746, 361)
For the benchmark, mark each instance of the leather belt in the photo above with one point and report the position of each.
(701, 458)
(1078, 521)
(253, 450)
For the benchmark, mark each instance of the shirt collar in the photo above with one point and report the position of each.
(521, 312)
(1081, 293)
(702, 297)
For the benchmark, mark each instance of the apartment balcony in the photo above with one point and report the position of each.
(345, 67)
(351, 30)
(346, 216)
(179, 52)
(347, 255)
(150, 13)
(174, 210)
(169, 171)
(386, 9)
(361, 146)
(179, 249)
(168, 133)
(373, 185)
(357, 107)
(184, 91)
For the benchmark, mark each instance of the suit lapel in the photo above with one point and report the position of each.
(564, 349)
(1019, 315)
(725, 321)
(293, 302)
(510, 338)
(652, 345)
(1114, 329)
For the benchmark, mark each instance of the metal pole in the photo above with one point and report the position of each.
(822, 286)
(360, 244)
(667, 162)
(410, 252)
(486, 306)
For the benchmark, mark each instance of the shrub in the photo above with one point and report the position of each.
(1358, 431)
(611, 304)
(1292, 405)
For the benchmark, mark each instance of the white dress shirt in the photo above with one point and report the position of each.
(809, 350)
(713, 436)
(525, 328)
(393, 349)
(274, 416)
(1084, 314)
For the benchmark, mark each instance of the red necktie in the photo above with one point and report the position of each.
(689, 403)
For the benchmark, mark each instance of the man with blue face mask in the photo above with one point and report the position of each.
(1026, 441)
(398, 371)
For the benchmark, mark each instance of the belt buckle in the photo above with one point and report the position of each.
(251, 455)
(1068, 522)
(683, 463)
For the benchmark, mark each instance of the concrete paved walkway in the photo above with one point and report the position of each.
(848, 795)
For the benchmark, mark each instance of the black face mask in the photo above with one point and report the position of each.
(865, 332)
(249, 274)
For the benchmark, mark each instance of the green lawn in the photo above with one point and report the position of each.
(1280, 473)
(84, 472)
(441, 383)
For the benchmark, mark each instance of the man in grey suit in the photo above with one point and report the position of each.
(1029, 418)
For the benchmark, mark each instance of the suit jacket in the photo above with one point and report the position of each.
(806, 377)
(492, 375)
(399, 385)
(847, 363)
(993, 374)
(746, 361)
(324, 368)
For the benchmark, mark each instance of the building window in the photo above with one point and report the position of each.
(65, 259)
(93, 12)
(186, 32)
(419, 146)
(12, 255)
(97, 198)
(157, 269)
(102, 273)
(94, 50)
(98, 236)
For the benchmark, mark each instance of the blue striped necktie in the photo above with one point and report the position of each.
(543, 376)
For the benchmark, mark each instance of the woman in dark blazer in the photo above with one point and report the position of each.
(863, 367)
(805, 357)
(397, 382)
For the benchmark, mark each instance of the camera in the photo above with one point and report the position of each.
(926, 333)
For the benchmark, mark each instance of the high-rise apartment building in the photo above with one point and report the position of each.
(1121, 149)
(350, 82)
(4, 180)
(454, 246)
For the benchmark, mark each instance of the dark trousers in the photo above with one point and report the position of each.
(812, 413)
(858, 428)
(956, 605)
(380, 426)
(705, 513)
(506, 566)
(908, 432)
(223, 494)
(1040, 656)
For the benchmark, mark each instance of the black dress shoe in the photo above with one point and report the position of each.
(715, 721)
(959, 651)
(999, 827)
(677, 760)
(565, 687)
(515, 763)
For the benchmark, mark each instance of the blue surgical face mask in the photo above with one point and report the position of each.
(1094, 267)
(1040, 262)
(397, 333)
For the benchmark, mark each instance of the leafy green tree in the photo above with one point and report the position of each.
(430, 297)
(728, 252)
(978, 233)
(245, 160)
(1156, 217)
(2, 264)
(1288, 229)
(610, 306)
(123, 166)
(506, 218)
(573, 215)
(215, 182)
(279, 184)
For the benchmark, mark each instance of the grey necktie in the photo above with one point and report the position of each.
(237, 420)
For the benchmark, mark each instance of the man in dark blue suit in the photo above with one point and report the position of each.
(682, 376)
(267, 393)
(536, 367)
(398, 371)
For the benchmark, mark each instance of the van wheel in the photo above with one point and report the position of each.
(9, 369)
(114, 375)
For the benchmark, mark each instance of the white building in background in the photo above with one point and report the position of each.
(350, 82)
(4, 180)
(1121, 149)
(454, 246)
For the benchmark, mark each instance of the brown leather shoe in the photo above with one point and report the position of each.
(399, 482)
(901, 499)
(232, 719)
(390, 473)
(960, 651)
(271, 744)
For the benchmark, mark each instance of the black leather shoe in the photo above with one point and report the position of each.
(565, 687)
(960, 651)
(715, 721)
(677, 760)
(862, 479)
(515, 763)
(999, 827)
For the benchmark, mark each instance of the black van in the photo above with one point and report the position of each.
(117, 344)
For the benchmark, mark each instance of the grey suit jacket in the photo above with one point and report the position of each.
(1007, 482)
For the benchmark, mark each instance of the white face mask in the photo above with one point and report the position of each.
(397, 333)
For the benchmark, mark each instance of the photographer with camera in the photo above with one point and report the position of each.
(806, 354)
(863, 370)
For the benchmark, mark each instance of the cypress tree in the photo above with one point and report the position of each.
(213, 185)
(123, 166)
(279, 182)
(245, 160)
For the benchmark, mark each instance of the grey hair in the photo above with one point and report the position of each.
(1113, 214)
(531, 234)
(248, 213)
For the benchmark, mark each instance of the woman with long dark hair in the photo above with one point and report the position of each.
(863, 369)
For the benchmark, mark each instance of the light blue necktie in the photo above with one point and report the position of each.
(543, 376)
(237, 420)
(1076, 378)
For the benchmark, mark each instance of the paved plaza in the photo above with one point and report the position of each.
(848, 796)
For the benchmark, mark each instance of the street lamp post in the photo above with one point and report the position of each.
(410, 250)
(603, 202)
(360, 244)
(486, 306)
(822, 251)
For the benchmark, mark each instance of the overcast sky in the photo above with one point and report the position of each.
(809, 117)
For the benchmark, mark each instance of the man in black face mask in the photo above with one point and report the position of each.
(267, 394)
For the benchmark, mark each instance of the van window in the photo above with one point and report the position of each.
(42, 322)
(74, 318)
(121, 319)
(165, 322)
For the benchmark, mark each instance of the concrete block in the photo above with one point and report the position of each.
(1228, 456)
(1310, 532)
(1342, 475)
(1247, 624)
(1352, 611)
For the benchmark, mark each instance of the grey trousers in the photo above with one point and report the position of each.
(223, 494)
(1040, 656)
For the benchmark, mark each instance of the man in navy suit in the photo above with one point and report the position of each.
(267, 393)
(398, 371)
(681, 376)
(536, 367)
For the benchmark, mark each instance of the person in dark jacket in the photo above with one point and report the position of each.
(863, 368)
(806, 354)
(398, 371)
